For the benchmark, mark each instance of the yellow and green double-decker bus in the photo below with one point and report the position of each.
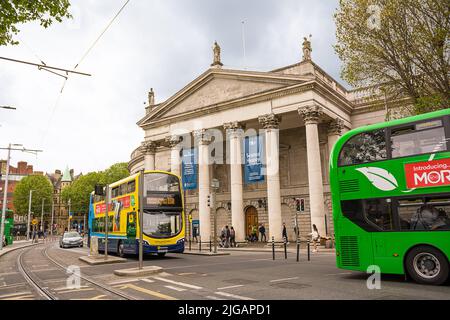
(390, 185)
(163, 215)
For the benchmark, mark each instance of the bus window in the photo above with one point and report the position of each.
(115, 192)
(379, 212)
(123, 189)
(424, 214)
(364, 147)
(131, 186)
(420, 138)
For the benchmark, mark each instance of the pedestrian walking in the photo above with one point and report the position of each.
(223, 236)
(232, 237)
(285, 236)
(254, 234)
(315, 237)
(262, 231)
(194, 234)
(227, 237)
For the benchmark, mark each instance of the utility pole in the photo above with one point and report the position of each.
(29, 214)
(215, 184)
(53, 214)
(141, 219)
(68, 218)
(42, 215)
(106, 221)
(8, 107)
(5, 192)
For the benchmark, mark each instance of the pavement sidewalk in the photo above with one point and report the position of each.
(19, 244)
(260, 247)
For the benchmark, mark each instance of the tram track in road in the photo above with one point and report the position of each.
(42, 286)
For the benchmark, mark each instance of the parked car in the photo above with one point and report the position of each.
(71, 239)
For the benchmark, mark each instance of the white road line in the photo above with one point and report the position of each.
(26, 297)
(214, 298)
(178, 283)
(338, 274)
(283, 279)
(147, 280)
(76, 290)
(229, 295)
(231, 287)
(15, 294)
(8, 273)
(175, 288)
(65, 288)
(122, 281)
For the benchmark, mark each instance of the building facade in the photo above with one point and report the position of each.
(266, 136)
(61, 208)
(16, 174)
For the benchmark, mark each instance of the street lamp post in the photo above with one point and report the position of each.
(42, 215)
(29, 214)
(68, 218)
(215, 184)
(53, 214)
(5, 198)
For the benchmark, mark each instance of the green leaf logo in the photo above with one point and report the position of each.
(380, 178)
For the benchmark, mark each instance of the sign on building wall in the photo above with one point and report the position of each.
(253, 153)
(189, 169)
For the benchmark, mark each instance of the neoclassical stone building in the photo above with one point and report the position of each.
(298, 112)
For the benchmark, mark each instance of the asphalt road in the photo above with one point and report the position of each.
(239, 276)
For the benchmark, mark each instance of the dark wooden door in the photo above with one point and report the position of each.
(251, 219)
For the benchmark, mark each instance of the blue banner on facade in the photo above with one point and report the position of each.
(253, 152)
(189, 169)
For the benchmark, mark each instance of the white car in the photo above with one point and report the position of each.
(71, 239)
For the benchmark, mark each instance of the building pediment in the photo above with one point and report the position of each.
(217, 86)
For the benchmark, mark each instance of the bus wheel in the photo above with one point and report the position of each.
(161, 254)
(120, 250)
(427, 265)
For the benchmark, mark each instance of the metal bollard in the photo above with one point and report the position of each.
(298, 250)
(189, 243)
(200, 244)
(309, 250)
(273, 248)
(210, 245)
(285, 248)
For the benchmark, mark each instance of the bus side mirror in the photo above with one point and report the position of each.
(99, 191)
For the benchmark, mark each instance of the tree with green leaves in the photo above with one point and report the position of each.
(15, 12)
(42, 189)
(402, 45)
(78, 192)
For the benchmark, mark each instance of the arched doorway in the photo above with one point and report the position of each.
(251, 219)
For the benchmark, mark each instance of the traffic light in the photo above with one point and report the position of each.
(300, 204)
(209, 200)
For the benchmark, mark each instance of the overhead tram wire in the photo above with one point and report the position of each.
(76, 66)
(101, 34)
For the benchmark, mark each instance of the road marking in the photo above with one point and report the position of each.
(65, 288)
(76, 290)
(8, 273)
(338, 274)
(186, 273)
(25, 297)
(285, 279)
(39, 265)
(98, 297)
(231, 287)
(178, 283)
(147, 280)
(229, 295)
(175, 288)
(15, 294)
(122, 281)
(149, 292)
(214, 298)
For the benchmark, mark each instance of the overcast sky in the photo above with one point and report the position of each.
(162, 44)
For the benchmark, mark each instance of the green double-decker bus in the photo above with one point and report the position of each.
(390, 185)
(9, 225)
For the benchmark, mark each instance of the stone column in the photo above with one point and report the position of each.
(203, 139)
(335, 128)
(270, 123)
(311, 117)
(175, 160)
(234, 133)
(149, 151)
